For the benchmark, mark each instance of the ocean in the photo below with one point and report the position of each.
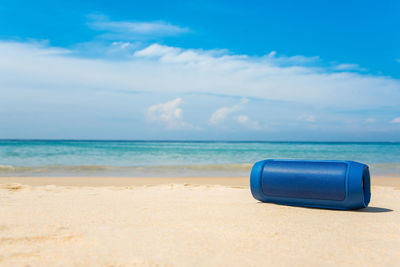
(178, 158)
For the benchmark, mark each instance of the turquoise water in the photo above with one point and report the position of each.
(176, 158)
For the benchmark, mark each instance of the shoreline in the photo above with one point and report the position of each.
(388, 181)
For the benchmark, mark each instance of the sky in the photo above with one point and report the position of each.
(200, 70)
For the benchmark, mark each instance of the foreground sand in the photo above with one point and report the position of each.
(186, 222)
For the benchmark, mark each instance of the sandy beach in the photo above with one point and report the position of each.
(186, 222)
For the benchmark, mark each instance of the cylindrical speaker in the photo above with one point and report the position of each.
(319, 184)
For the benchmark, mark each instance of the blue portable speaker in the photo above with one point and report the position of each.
(320, 184)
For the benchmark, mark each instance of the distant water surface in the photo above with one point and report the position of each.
(178, 158)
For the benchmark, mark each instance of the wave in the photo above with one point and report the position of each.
(159, 170)
(229, 169)
(10, 168)
(6, 168)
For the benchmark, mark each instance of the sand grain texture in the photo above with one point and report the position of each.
(188, 225)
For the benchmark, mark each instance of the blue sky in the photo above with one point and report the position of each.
(254, 70)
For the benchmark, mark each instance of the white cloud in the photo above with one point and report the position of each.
(165, 69)
(133, 30)
(293, 60)
(156, 50)
(306, 118)
(260, 77)
(246, 121)
(175, 55)
(395, 120)
(221, 114)
(168, 113)
(122, 46)
(349, 67)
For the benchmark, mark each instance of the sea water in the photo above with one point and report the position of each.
(178, 158)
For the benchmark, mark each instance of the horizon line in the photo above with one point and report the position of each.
(189, 140)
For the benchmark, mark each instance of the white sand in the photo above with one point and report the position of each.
(188, 225)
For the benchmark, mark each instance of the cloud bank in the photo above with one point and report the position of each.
(217, 87)
(159, 68)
